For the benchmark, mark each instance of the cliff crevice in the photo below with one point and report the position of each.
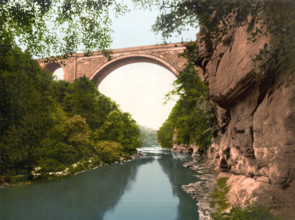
(256, 110)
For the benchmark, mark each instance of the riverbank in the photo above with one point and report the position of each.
(215, 193)
(201, 190)
(74, 169)
(149, 187)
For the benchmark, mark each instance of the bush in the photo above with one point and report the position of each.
(64, 153)
(50, 165)
(109, 151)
(252, 211)
(219, 194)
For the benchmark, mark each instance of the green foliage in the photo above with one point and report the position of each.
(148, 137)
(51, 165)
(221, 182)
(252, 211)
(53, 124)
(219, 194)
(248, 211)
(193, 116)
(50, 27)
(25, 106)
(64, 153)
(272, 18)
(165, 133)
(191, 53)
(121, 128)
(76, 131)
(109, 151)
(82, 98)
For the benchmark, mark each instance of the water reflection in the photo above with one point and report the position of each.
(85, 196)
(148, 188)
(178, 176)
(165, 199)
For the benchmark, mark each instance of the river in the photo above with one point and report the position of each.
(142, 189)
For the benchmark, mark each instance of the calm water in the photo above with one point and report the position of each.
(144, 189)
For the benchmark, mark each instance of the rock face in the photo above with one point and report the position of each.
(257, 119)
(191, 149)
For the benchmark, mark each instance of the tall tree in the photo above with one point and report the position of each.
(193, 116)
(213, 16)
(58, 27)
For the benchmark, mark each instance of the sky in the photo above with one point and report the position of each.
(140, 88)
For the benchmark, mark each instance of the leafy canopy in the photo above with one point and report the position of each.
(51, 27)
(53, 124)
(193, 117)
(263, 17)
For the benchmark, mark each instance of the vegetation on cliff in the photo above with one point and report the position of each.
(245, 212)
(262, 17)
(193, 116)
(267, 25)
(53, 124)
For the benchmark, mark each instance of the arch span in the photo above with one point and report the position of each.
(97, 66)
(103, 71)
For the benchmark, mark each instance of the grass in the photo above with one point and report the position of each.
(252, 211)
(219, 193)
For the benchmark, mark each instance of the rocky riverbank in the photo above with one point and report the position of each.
(80, 167)
(201, 191)
(256, 111)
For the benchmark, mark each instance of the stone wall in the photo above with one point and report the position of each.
(257, 118)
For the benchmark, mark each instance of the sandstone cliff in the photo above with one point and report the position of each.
(257, 119)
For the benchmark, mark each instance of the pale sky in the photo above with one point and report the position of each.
(140, 88)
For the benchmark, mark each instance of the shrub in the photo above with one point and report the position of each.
(249, 211)
(252, 211)
(219, 194)
(109, 151)
(64, 153)
(50, 165)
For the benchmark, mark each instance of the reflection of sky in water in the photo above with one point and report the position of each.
(140, 189)
(150, 197)
(156, 151)
(153, 150)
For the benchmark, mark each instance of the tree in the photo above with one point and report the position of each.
(81, 99)
(52, 27)
(131, 133)
(120, 127)
(26, 108)
(193, 115)
(165, 133)
(274, 18)
(46, 123)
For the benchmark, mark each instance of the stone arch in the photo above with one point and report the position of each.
(103, 71)
(51, 67)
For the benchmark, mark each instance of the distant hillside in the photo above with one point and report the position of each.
(148, 136)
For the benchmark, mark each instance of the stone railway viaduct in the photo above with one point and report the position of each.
(97, 66)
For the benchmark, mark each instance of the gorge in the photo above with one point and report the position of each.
(244, 53)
